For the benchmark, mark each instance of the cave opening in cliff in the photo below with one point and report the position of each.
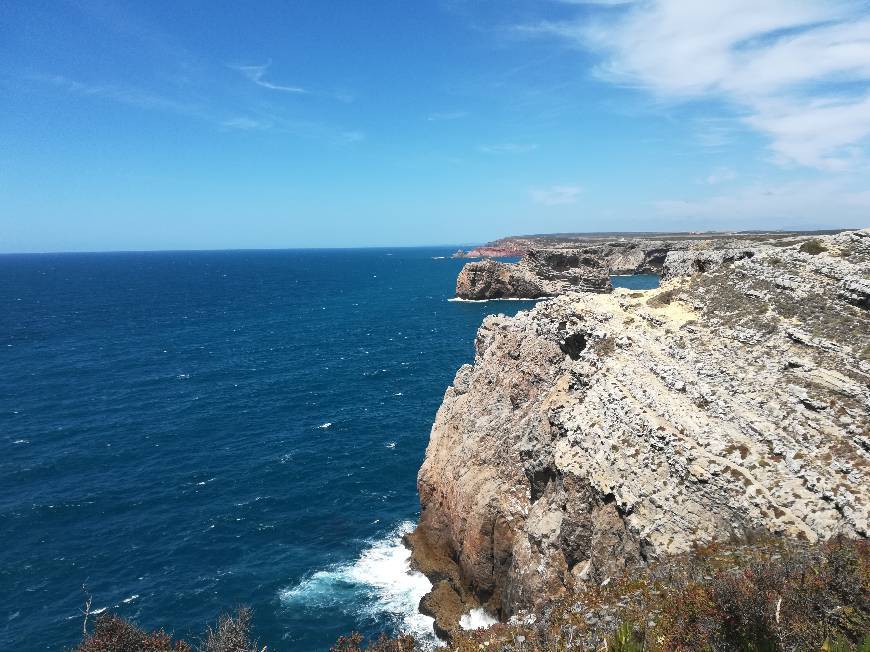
(573, 345)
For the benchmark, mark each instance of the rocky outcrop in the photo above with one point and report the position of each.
(568, 270)
(587, 268)
(598, 432)
(683, 263)
(540, 273)
(495, 252)
(491, 279)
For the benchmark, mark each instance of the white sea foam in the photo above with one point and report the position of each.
(324, 426)
(20, 441)
(390, 444)
(378, 586)
(458, 300)
(130, 599)
(476, 619)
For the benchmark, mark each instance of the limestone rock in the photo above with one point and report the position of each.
(539, 273)
(599, 431)
(683, 263)
(491, 279)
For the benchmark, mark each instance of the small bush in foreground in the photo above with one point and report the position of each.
(112, 633)
(353, 643)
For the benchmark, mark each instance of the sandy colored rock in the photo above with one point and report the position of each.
(597, 432)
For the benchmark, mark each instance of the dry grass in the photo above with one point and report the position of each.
(112, 633)
(765, 596)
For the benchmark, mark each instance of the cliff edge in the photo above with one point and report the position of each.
(599, 432)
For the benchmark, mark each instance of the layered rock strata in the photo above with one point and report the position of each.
(598, 432)
(557, 270)
(540, 273)
(492, 279)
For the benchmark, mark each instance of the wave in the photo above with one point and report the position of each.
(379, 586)
(477, 619)
(458, 300)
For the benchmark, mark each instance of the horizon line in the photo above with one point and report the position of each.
(435, 246)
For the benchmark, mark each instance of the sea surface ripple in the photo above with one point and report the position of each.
(185, 432)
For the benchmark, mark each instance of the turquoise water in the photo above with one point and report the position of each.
(182, 433)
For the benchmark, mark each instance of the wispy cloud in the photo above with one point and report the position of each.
(555, 195)
(507, 148)
(721, 175)
(796, 70)
(257, 75)
(446, 115)
(600, 3)
(275, 124)
(129, 95)
(244, 123)
(250, 121)
(835, 201)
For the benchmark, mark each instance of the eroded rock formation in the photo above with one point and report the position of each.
(492, 279)
(599, 431)
(540, 273)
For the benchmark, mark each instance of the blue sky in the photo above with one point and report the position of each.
(187, 125)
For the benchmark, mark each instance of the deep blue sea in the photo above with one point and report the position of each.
(182, 433)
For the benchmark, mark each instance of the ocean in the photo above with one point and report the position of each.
(186, 432)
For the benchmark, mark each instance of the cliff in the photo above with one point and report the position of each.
(540, 273)
(601, 432)
(584, 265)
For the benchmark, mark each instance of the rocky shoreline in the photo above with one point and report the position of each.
(604, 430)
(584, 265)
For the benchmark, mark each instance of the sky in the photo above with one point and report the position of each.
(313, 123)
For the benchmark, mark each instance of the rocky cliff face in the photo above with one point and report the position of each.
(560, 269)
(540, 273)
(598, 432)
(491, 279)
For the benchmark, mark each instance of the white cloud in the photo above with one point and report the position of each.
(252, 121)
(603, 3)
(257, 73)
(721, 175)
(829, 202)
(245, 124)
(446, 115)
(508, 148)
(555, 195)
(128, 95)
(795, 70)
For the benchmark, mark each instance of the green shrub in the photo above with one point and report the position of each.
(663, 298)
(813, 247)
(626, 639)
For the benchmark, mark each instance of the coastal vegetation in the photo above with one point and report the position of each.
(111, 633)
(772, 595)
